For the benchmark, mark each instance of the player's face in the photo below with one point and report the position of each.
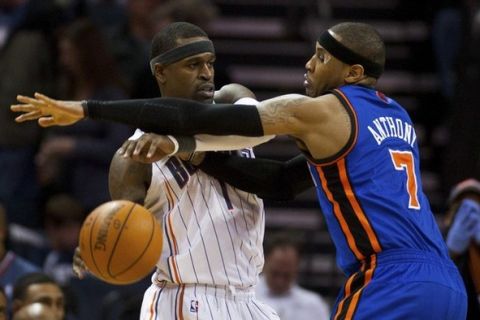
(49, 295)
(324, 72)
(191, 78)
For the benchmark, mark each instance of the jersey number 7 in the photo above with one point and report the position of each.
(404, 161)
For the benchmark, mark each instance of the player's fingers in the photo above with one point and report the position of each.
(78, 265)
(29, 100)
(142, 144)
(28, 116)
(152, 150)
(23, 107)
(44, 98)
(124, 146)
(77, 272)
(129, 149)
(47, 122)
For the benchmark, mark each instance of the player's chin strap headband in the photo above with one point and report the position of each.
(344, 54)
(179, 53)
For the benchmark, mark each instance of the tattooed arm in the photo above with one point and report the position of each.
(321, 124)
(129, 179)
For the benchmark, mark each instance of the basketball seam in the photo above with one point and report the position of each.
(144, 250)
(91, 248)
(116, 242)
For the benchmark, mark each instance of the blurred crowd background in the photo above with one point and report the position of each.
(94, 49)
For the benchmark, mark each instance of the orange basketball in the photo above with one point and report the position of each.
(120, 242)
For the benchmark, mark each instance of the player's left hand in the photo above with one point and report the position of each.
(79, 267)
(49, 112)
(148, 148)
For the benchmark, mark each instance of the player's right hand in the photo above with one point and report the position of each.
(148, 148)
(49, 112)
(79, 267)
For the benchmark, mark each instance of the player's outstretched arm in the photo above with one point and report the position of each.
(269, 179)
(49, 112)
(321, 123)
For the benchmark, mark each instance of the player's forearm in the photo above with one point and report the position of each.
(179, 116)
(269, 179)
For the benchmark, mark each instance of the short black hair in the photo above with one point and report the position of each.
(24, 282)
(166, 39)
(363, 39)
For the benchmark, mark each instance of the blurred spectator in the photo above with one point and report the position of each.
(38, 288)
(448, 27)
(34, 311)
(76, 159)
(12, 266)
(278, 287)
(3, 304)
(63, 220)
(197, 12)
(25, 67)
(462, 155)
(130, 44)
(463, 238)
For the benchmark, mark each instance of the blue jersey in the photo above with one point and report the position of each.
(371, 191)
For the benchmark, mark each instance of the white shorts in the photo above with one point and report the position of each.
(202, 302)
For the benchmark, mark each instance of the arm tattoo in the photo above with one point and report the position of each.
(128, 179)
(278, 112)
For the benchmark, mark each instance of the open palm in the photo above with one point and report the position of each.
(47, 111)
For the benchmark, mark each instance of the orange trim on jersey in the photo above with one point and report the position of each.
(172, 234)
(353, 303)
(153, 310)
(180, 302)
(355, 133)
(347, 293)
(169, 195)
(175, 271)
(356, 206)
(172, 261)
(368, 277)
(339, 216)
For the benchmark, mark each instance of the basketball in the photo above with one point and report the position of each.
(120, 242)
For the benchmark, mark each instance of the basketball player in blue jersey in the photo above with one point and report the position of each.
(363, 156)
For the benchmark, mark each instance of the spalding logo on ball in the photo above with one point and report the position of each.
(120, 242)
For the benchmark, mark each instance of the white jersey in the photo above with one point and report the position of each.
(212, 232)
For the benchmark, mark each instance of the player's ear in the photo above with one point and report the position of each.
(355, 73)
(160, 73)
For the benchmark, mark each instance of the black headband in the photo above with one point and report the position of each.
(346, 55)
(182, 52)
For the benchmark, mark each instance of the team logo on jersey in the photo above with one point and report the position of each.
(383, 97)
(193, 306)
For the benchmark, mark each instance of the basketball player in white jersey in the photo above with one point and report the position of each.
(212, 233)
